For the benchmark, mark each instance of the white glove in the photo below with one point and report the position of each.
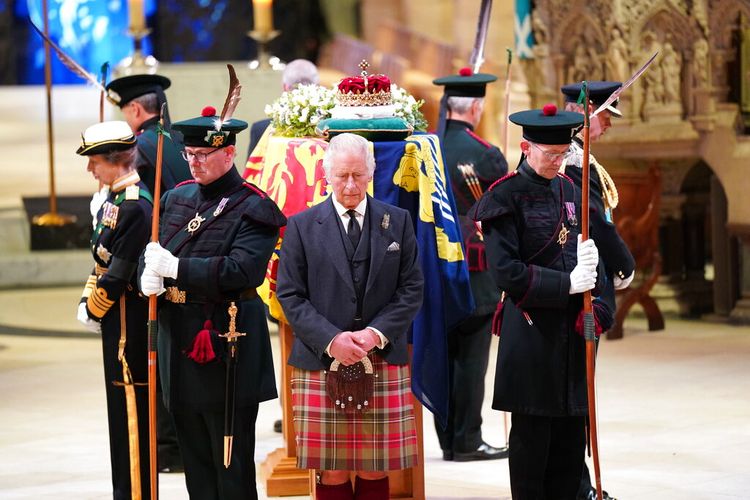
(151, 283)
(97, 200)
(161, 261)
(588, 254)
(582, 278)
(623, 283)
(91, 324)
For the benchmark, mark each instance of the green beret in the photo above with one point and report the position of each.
(548, 125)
(202, 131)
(123, 90)
(465, 83)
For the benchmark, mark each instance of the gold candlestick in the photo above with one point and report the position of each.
(265, 60)
(137, 63)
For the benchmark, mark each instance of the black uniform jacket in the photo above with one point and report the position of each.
(174, 167)
(461, 146)
(541, 360)
(224, 259)
(121, 233)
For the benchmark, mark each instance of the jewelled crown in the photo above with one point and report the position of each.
(364, 90)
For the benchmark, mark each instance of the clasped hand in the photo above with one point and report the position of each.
(349, 347)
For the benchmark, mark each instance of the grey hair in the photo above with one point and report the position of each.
(461, 104)
(125, 157)
(348, 143)
(299, 72)
(150, 102)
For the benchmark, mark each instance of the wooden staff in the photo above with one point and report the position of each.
(153, 326)
(506, 123)
(588, 311)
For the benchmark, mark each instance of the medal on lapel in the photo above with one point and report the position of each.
(195, 223)
(109, 215)
(570, 210)
(386, 222)
(220, 208)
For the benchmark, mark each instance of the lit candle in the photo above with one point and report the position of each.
(263, 15)
(136, 16)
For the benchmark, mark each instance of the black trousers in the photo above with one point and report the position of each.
(545, 457)
(201, 438)
(168, 450)
(468, 355)
(117, 414)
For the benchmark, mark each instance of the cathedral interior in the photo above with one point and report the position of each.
(673, 382)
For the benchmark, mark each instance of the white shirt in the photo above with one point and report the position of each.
(360, 210)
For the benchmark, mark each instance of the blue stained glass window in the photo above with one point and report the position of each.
(92, 32)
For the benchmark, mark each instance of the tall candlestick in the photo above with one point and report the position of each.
(136, 16)
(263, 15)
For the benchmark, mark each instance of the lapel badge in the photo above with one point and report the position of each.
(220, 208)
(562, 238)
(195, 223)
(386, 222)
(103, 253)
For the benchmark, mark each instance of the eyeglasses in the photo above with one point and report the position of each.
(200, 157)
(552, 156)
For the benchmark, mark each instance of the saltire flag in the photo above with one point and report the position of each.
(522, 29)
(409, 174)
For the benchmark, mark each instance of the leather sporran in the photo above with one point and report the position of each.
(351, 387)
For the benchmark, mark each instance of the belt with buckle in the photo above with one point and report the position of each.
(177, 296)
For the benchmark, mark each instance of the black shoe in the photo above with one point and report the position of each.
(448, 455)
(591, 495)
(277, 426)
(171, 468)
(484, 452)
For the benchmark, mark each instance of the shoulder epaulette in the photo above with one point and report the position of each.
(132, 192)
(478, 139)
(503, 178)
(189, 181)
(255, 189)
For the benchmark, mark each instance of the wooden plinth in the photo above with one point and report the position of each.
(282, 476)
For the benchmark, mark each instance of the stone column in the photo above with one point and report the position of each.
(724, 253)
(741, 311)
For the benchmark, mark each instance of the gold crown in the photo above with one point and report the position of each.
(364, 90)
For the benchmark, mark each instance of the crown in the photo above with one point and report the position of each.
(364, 90)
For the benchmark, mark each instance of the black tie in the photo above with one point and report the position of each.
(353, 229)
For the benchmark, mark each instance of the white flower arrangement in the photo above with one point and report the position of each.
(298, 111)
(408, 108)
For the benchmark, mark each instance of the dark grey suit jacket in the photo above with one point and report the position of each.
(316, 291)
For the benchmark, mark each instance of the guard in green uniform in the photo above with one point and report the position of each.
(216, 236)
(140, 97)
(473, 165)
(112, 306)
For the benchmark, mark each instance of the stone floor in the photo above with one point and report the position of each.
(674, 412)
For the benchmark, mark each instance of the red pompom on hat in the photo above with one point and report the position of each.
(549, 110)
(208, 111)
(465, 71)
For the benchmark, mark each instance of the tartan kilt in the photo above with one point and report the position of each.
(383, 438)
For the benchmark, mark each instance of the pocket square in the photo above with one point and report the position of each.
(393, 247)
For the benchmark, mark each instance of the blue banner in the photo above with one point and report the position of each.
(418, 182)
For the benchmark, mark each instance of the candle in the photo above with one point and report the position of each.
(263, 15)
(136, 16)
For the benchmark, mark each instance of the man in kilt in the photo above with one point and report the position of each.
(350, 285)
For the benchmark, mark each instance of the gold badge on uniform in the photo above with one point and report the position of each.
(195, 223)
(562, 238)
(103, 253)
(109, 214)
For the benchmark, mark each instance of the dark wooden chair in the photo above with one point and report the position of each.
(637, 221)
